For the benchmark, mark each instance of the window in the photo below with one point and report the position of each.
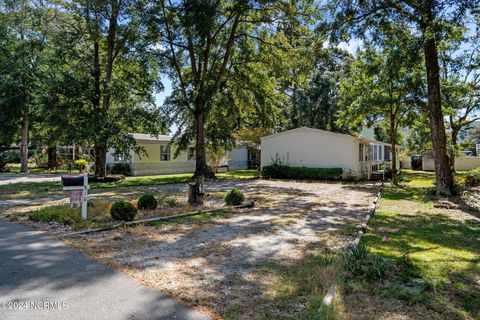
(375, 152)
(387, 153)
(164, 153)
(360, 152)
(191, 153)
(380, 153)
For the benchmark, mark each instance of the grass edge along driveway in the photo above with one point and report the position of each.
(435, 254)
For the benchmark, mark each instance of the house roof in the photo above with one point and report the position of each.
(307, 129)
(319, 131)
(151, 137)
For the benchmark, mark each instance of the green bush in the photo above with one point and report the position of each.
(234, 197)
(121, 168)
(280, 171)
(123, 210)
(80, 164)
(472, 178)
(9, 156)
(147, 201)
(416, 162)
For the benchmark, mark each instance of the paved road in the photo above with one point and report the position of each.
(57, 282)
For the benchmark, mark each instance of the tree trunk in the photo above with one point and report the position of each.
(444, 177)
(100, 160)
(24, 141)
(52, 157)
(102, 138)
(96, 75)
(201, 167)
(393, 137)
(454, 148)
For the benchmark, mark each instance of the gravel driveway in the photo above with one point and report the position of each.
(214, 263)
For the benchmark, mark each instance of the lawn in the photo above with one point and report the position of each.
(14, 168)
(435, 254)
(44, 189)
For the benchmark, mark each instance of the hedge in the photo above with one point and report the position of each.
(473, 178)
(287, 172)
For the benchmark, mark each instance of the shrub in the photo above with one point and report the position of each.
(147, 201)
(80, 164)
(234, 197)
(123, 210)
(416, 162)
(472, 179)
(120, 168)
(281, 171)
(9, 156)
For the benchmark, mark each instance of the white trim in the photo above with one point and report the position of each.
(73, 188)
(306, 129)
(319, 131)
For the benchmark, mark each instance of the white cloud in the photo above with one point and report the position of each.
(351, 46)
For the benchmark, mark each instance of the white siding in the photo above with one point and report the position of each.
(461, 163)
(311, 148)
(238, 159)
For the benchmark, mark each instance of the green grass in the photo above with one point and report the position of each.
(14, 168)
(39, 189)
(436, 254)
(98, 215)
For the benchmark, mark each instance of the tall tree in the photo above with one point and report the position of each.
(113, 59)
(382, 89)
(460, 75)
(315, 104)
(27, 24)
(219, 53)
(431, 18)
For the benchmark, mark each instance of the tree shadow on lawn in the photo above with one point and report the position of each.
(444, 253)
(220, 263)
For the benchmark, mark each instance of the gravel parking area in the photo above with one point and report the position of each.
(216, 264)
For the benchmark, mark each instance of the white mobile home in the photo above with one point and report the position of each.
(159, 157)
(314, 148)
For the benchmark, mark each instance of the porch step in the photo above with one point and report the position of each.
(376, 176)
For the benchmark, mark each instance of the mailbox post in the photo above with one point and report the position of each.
(78, 183)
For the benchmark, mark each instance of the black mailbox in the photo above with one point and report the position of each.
(72, 181)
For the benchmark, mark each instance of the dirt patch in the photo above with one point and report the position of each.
(219, 263)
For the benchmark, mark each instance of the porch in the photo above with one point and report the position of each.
(375, 160)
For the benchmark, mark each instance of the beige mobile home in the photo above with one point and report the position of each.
(314, 148)
(159, 157)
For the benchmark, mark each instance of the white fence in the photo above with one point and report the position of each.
(461, 163)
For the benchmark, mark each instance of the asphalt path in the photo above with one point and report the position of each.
(42, 278)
